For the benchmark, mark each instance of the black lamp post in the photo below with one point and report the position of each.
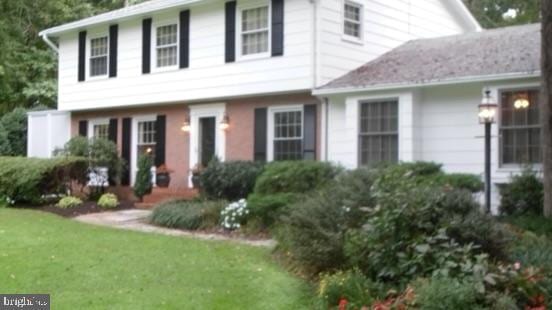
(487, 113)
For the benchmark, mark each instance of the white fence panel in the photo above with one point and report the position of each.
(47, 130)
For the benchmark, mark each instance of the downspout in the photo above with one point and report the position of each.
(49, 42)
(326, 126)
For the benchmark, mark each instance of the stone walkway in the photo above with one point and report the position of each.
(137, 220)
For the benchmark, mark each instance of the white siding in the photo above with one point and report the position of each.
(387, 24)
(208, 76)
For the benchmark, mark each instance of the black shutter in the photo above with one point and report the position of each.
(125, 150)
(260, 127)
(112, 134)
(146, 45)
(277, 27)
(83, 128)
(184, 39)
(230, 39)
(160, 126)
(113, 40)
(309, 130)
(82, 56)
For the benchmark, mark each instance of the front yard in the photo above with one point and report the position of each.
(88, 267)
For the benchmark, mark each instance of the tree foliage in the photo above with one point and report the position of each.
(501, 13)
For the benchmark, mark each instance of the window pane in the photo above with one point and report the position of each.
(101, 131)
(98, 66)
(288, 149)
(255, 19)
(352, 29)
(254, 31)
(378, 132)
(167, 35)
(98, 56)
(288, 135)
(98, 47)
(352, 12)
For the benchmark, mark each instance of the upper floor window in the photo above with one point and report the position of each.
(379, 133)
(166, 46)
(255, 31)
(520, 128)
(98, 56)
(352, 22)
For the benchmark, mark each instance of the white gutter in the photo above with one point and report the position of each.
(467, 15)
(49, 42)
(463, 80)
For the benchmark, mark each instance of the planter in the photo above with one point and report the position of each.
(163, 180)
(196, 181)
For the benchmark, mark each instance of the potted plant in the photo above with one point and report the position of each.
(196, 173)
(163, 176)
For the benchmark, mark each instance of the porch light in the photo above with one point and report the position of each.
(224, 123)
(487, 109)
(522, 101)
(186, 125)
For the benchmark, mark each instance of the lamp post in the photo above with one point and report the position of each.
(487, 113)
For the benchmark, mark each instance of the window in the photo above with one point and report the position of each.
(100, 131)
(254, 31)
(288, 135)
(352, 19)
(520, 129)
(379, 137)
(146, 138)
(98, 56)
(167, 46)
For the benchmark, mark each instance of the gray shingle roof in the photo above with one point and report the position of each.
(504, 51)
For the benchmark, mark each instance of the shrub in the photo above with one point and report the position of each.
(350, 286)
(234, 215)
(446, 293)
(523, 195)
(69, 202)
(143, 185)
(13, 140)
(190, 215)
(469, 182)
(108, 201)
(269, 208)
(100, 153)
(534, 223)
(229, 180)
(294, 177)
(27, 180)
(532, 250)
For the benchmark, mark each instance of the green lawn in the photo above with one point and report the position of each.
(89, 267)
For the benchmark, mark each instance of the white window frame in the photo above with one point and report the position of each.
(270, 132)
(361, 134)
(239, 31)
(154, 46)
(88, 66)
(134, 149)
(96, 122)
(347, 37)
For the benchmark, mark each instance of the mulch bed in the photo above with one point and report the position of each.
(86, 208)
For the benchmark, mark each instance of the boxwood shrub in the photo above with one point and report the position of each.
(523, 195)
(190, 215)
(27, 180)
(230, 180)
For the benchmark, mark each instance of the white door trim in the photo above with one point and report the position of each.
(216, 110)
(134, 143)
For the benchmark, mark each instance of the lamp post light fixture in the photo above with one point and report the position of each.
(487, 113)
(225, 122)
(186, 125)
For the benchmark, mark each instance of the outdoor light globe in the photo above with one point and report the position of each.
(225, 123)
(487, 109)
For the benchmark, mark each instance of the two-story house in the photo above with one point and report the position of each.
(186, 80)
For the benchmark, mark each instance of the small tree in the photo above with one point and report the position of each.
(13, 140)
(143, 185)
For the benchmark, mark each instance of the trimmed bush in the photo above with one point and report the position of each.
(230, 180)
(108, 201)
(347, 287)
(143, 184)
(27, 180)
(268, 208)
(190, 215)
(523, 195)
(294, 177)
(469, 182)
(69, 202)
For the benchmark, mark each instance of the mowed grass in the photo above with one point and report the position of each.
(88, 267)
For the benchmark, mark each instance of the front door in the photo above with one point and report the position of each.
(207, 133)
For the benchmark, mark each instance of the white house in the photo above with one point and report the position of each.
(185, 80)
(419, 102)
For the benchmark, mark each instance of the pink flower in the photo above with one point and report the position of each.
(517, 266)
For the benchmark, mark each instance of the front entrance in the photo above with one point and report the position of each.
(207, 140)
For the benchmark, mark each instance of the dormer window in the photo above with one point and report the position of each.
(255, 31)
(352, 20)
(99, 52)
(166, 46)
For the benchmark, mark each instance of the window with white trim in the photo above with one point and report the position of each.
(352, 19)
(520, 128)
(146, 138)
(379, 133)
(166, 47)
(100, 131)
(255, 29)
(288, 135)
(99, 51)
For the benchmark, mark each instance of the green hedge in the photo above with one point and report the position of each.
(26, 180)
(190, 215)
(230, 180)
